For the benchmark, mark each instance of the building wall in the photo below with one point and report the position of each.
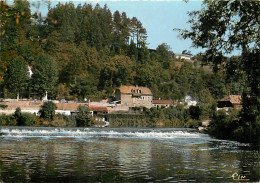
(183, 57)
(162, 105)
(133, 101)
(127, 100)
(237, 106)
(143, 101)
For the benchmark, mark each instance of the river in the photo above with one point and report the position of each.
(37, 154)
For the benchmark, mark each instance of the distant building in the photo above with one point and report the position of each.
(189, 101)
(134, 96)
(33, 106)
(29, 71)
(98, 110)
(182, 56)
(230, 101)
(162, 103)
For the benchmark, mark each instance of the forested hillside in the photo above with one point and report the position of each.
(86, 52)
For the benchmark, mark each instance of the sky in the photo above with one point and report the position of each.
(158, 17)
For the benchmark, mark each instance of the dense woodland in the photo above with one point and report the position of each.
(86, 52)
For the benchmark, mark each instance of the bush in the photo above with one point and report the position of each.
(8, 120)
(223, 125)
(28, 119)
(192, 124)
(58, 123)
(47, 111)
(195, 112)
(82, 117)
(17, 115)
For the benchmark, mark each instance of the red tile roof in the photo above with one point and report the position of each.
(68, 106)
(130, 89)
(234, 99)
(98, 108)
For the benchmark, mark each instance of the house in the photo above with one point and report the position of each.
(230, 101)
(34, 106)
(29, 71)
(189, 101)
(72, 108)
(67, 108)
(98, 110)
(162, 103)
(182, 56)
(134, 96)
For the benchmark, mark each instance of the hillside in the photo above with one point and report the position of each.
(86, 52)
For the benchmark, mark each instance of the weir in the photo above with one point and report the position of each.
(98, 132)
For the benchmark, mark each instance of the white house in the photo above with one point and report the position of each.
(29, 71)
(182, 56)
(189, 101)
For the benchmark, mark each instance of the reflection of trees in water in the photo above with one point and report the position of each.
(62, 160)
(134, 156)
(249, 165)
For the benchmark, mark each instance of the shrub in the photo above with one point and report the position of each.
(48, 111)
(192, 124)
(8, 120)
(82, 117)
(28, 119)
(58, 123)
(225, 126)
(195, 112)
(17, 115)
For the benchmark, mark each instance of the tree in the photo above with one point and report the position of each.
(17, 78)
(195, 112)
(222, 27)
(85, 87)
(45, 74)
(164, 56)
(47, 110)
(82, 117)
(17, 115)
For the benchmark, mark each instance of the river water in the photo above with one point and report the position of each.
(122, 155)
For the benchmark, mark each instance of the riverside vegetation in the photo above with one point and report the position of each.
(86, 52)
(163, 117)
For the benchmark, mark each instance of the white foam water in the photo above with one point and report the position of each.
(92, 132)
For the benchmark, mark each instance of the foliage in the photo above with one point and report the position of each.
(45, 75)
(28, 119)
(47, 110)
(3, 106)
(7, 120)
(195, 112)
(223, 124)
(82, 117)
(18, 115)
(16, 77)
(221, 27)
(86, 52)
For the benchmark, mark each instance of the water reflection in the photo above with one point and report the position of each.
(103, 157)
